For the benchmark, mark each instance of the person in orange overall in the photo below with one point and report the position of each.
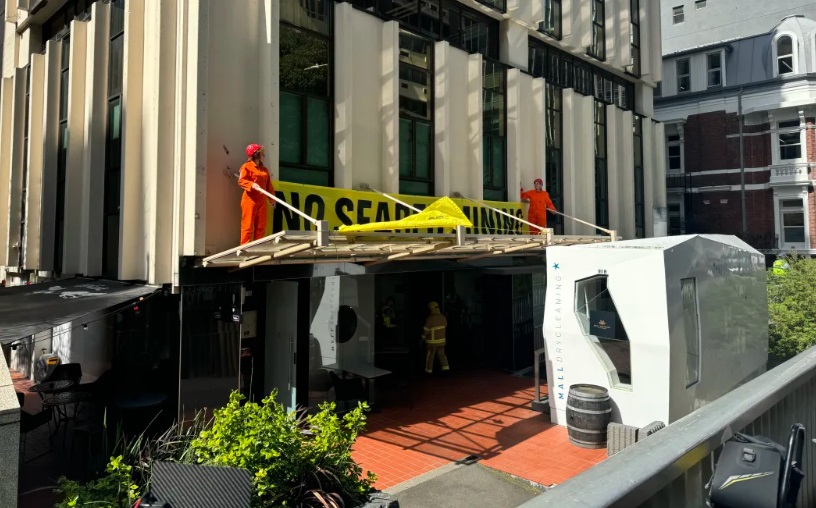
(254, 178)
(540, 202)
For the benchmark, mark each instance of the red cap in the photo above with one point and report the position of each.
(252, 150)
(538, 180)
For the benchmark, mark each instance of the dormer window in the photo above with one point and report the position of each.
(784, 55)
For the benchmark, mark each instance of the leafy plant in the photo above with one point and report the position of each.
(295, 459)
(116, 489)
(791, 300)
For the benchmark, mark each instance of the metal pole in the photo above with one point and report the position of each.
(287, 205)
(742, 164)
(365, 186)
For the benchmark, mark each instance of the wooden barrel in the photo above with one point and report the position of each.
(589, 410)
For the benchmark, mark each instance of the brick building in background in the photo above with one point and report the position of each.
(768, 64)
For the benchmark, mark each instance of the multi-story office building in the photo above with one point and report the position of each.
(123, 124)
(723, 59)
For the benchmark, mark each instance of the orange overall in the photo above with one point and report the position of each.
(539, 203)
(253, 203)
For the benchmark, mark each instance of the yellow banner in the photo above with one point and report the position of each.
(442, 213)
(344, 207)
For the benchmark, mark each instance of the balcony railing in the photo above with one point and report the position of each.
(790, 173)
(672, 467)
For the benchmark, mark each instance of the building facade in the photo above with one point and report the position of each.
(123, 125)
(761, 68)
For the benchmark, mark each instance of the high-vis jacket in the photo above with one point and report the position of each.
(434, 329)
(253, 203)
(540, 202)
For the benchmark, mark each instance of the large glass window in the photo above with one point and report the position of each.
(784, 55)
(416, 115)
(793, 220)
(790, 140)
(598, 45)
(555, 160)
(306, 119)
(634, 37)
(601, 170)
(113, 143)
(62, 153)
(552, 18)
(599, 319)
(691, 328)
(683, 67)
(494, 132)
(446, 20)
(640, 191)
(674, 153)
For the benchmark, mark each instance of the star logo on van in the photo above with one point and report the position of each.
(556, 266)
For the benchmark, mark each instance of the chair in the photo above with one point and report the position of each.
(347, 391)
(67, 372)
(30, 422)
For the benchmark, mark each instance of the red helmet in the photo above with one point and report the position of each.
(252, 150)
(538, 180)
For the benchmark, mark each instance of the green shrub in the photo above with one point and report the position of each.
(294, 459)
(791, 304)
(115, 489)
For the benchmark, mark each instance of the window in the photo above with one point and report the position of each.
(691, 329)
(416, 115)
(598, 47)
(790, 140)
(699, 4)
(674, 153)
(640, 191)
(499, 5)
(601, 172)
(552, 18)
(658, 89)
(793, 220)
(675, 219)
(113, 143)
(714, 69)
(784, 55)
(58, 24)
(493, 135)
(553, 143)
(306, 119)
(634, 37)
(683, 75)
(677, 15)
(62, 153)
(443, 20)
(599, 318)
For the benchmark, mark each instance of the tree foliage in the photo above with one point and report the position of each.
(791, 304)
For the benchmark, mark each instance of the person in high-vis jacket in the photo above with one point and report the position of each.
(433, 333)
(253, 179)
(781, 267)
(540, 203)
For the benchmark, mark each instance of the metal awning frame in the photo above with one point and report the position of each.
(371, 248)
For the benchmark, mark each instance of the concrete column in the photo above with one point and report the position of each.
(270, 89)
(659, 167)
(514, 44)
(132, 242)
(649, 156)
(6, 141)
(614, 147)
(74, 178)
(579, 162)
(389, 107)
(474, 186)
(443, 98)
(538, 141)
(626, 176)
(15, 172)
(95, 130)
(515, 133)
(195, 147)
(32, 253)
(50, 153)
(343, 94)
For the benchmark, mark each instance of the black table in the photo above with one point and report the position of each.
(51, 387)
(62, 399)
